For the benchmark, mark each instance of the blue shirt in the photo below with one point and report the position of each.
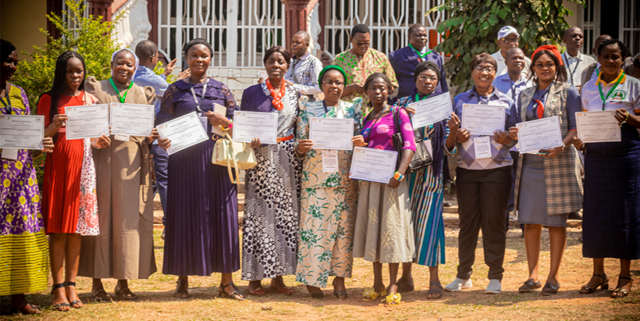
(146, 77)
(512, 89)
(500, 156)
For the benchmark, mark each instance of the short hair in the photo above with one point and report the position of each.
(426, 65)
(624, 51)
(570, 28)
(513, 50)
(414, 27)
(198, 41)
(285, 53)
(483, 58)
(146, 49)
(359, 29)
(561, 71)
(6, 48)
(306, 35)
(376, 76)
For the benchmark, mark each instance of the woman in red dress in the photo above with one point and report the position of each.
(69, 203)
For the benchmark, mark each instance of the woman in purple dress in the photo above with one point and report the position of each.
(202, 206)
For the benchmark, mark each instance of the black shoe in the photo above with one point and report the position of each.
(529, 286)
(550, 289)
(575, 216)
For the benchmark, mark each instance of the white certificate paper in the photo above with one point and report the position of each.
(598, 126)
(482, 146)
(482, 119)
(21, 132)
(373, 165)
(431, 110)
(329, 161)
(184, 131)
(87, 121)
(248, 125)
(539, 134)
(132, 119)
(331, 133)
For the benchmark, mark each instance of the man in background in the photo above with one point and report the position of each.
(574, 61)
(508, 37)
(305, 68)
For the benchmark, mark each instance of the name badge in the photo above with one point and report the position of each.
(329, 161)
(482, 146)
(205, 121)
(10, 153)
(123, 138)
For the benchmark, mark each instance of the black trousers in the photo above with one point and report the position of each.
(482, 202)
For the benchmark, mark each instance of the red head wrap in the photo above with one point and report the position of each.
(551, 48)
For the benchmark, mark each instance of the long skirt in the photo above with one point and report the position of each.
(384, 231)
(327, 224)
(271, 213)
(427, 196)
(611, 219)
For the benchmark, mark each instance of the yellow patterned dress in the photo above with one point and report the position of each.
(24, 251)
(328, 203)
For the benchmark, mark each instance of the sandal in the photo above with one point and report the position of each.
(315, 295)
(182, 289)
(529, 286)
(370, 294)
(281, 289)
(234, 295)
(74, 303)
(101, 296)
(621, 292)
(125, 294)
(25, 308)
(258, 291)
(550, 289)
(586, 289)
(59, 306)
(340, 295)
(392, 299)
(438, 292)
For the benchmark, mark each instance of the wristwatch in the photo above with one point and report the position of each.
(564, 146)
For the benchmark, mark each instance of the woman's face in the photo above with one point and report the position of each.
(426, 82)
(75, 73)
(377, 91)
(123, 66)
(611, 59)
(276, 66)
(198, 59)
(9, 66)
(332, 84)
(483, 74)
(545, 68)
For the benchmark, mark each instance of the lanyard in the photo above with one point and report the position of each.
(124, 96)
(326, 110)
(418, 97)
(604, 99)
(566, 61)
(193, 92)
(420, 55)
(7, 105)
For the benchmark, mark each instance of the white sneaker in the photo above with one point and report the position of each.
(494, 287)
(458, 284)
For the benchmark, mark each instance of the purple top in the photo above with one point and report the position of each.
(384, 128)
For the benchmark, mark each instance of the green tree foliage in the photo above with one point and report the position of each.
(92, 38)
(473, 26)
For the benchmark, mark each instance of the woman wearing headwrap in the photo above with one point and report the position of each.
(548, 184)
(124, 248)
(24, 251)
(272, 208)
(328, 200)
(426, 186)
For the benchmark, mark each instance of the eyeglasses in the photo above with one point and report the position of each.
(488, 69)
(336, 83)
(425, 78)
(547, 66)
(510, 40)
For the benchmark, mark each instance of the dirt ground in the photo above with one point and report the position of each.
(156, 302)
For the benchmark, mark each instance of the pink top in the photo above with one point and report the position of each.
(383, 129)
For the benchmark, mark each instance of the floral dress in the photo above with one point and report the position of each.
(328, 203)
(24, 250)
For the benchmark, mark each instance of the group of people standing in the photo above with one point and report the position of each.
(300, 218)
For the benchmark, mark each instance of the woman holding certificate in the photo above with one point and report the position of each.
(69, 200)
(426, 185)
(23, 243)
(384, 231)
(202, 206)
(124, 248)
(328, 200)
(548, 184)
(272, 208)
(611, 220)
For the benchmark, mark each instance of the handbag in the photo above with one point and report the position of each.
(232, 154)
(421, 158)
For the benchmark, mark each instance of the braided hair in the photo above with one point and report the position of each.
(624, 51)
(60, 80)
